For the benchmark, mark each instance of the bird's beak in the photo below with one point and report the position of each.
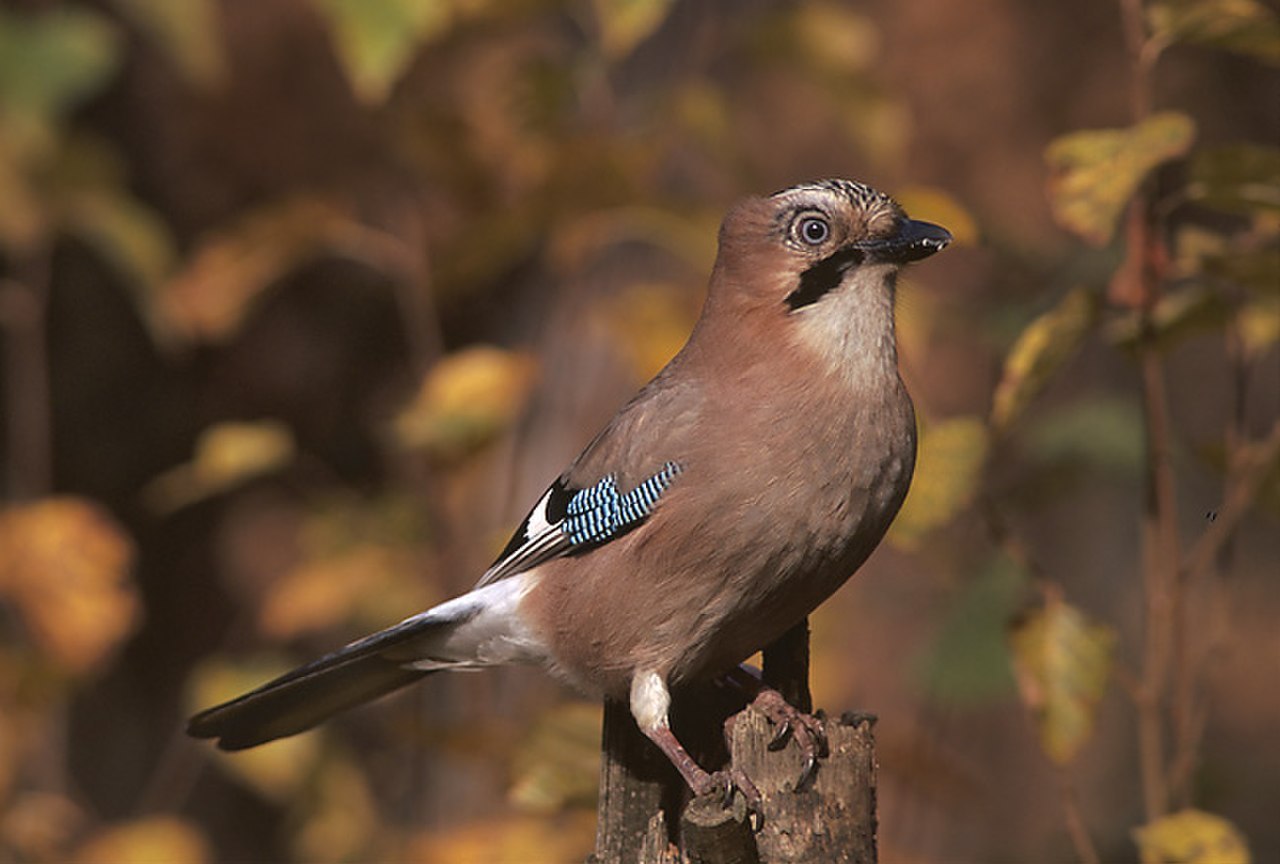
(914, 240)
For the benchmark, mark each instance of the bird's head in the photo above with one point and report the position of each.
(819, 260)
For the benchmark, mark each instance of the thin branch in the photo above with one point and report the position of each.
(1086, 851)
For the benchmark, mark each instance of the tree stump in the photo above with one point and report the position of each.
(645, 815)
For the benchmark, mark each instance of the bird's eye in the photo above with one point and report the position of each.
(813, 230)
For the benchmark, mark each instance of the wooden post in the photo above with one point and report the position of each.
(645, 815)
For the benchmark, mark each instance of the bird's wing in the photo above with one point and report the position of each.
(567, 520)
(611, 488)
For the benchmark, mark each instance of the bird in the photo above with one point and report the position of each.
(721, 505)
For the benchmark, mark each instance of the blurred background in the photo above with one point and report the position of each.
(303, 302)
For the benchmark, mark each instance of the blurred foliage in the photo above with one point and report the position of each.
(65, 567)
(528, 193)
(1095, 173)
(1062, 661)
(1191, 837)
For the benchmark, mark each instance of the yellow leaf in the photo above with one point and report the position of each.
(934, 205)
(145, 841)
(466, 400)
(227, 455)
(624, 24)
(558, 763)
(277, 770)
(230, 269)
(65, 565)
(1039, 352)
(952, 453)
(1061, 662)
(567, 837)
(1191, 837)
(1094, 173)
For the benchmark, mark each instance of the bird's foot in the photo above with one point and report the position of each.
(790, 722)
(720, 787)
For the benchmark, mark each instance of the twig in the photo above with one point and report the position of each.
(1080, 838)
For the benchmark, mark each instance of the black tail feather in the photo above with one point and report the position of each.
(310, 694)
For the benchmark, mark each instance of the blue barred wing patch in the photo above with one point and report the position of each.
(566, 521)
(602, 512)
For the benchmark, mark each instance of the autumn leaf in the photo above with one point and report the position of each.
(230, 269)
(159, 838)
(65, 565)
(1039, 352)
(1191, 837)
(227, 455)
(466, 400)
(948, 468)
(1061, 661)
(1094, 173)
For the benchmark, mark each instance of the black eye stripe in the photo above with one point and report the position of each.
(823, 277)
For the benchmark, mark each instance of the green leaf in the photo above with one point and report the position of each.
(1039, 352)
(952, 455)
(1191, 837)
(376, 40)
(1239, 178)
(1061, 661)
(189, 31)
(1242, 26)
(1094, 173)
(968, 663)
(50, 63)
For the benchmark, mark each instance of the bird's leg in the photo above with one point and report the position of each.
(650, 702)
(788, 721)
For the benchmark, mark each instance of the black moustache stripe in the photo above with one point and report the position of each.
(823, 277)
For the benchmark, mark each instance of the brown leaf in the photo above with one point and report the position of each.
(66, 567)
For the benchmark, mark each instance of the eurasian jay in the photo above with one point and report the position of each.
(720, 506)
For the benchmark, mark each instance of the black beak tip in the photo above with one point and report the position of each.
(919, 240)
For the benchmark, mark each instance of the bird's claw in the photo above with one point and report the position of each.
(723, 783)
(807, 730)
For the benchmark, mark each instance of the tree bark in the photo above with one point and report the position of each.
(645, 815)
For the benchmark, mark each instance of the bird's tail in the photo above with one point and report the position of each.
(310, 694)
